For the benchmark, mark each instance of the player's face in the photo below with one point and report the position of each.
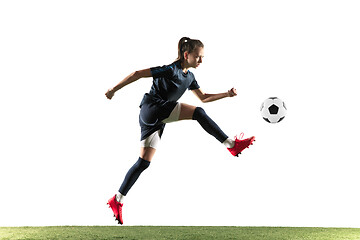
(195, 58)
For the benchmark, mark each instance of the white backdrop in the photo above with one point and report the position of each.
(65, 148)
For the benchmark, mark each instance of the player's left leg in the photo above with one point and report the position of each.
(197, 113)
(183, 111)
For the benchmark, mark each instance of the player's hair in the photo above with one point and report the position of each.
(189, 45)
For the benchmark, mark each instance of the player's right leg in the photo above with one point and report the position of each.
(147, 151)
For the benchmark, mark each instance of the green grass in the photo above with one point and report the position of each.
(191, 233)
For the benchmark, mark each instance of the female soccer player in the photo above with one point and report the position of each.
(161, 106)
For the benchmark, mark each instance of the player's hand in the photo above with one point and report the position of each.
(232, 92)
(109, 94)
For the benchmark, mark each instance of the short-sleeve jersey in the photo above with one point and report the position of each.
(170, 82)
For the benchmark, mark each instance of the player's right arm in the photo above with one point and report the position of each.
(127, 80)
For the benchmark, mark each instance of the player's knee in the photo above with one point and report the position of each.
(198, 113)
(143, 164)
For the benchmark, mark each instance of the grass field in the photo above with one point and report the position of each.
(193, 233)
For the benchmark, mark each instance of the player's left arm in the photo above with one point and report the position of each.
(210, 97)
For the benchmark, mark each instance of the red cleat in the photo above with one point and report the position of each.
(240, 145)
(116, 207)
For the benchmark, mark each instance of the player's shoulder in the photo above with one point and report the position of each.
(162, 71)
(172, 67)
(175, 65)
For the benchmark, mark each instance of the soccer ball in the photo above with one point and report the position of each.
(273, 110)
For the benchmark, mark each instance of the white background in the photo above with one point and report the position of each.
(65, 148)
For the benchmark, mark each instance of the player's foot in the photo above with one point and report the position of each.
(116, 207)
(240, 145)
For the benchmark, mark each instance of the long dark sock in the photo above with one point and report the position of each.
(208, 124)
(133, 174)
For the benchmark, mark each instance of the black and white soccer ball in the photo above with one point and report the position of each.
(273, 110)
